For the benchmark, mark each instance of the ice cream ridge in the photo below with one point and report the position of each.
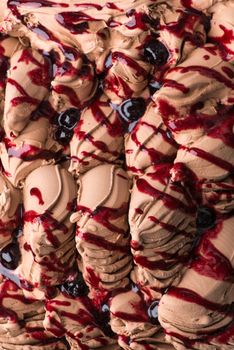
(117, 175)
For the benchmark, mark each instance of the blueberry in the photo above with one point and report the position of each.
(17, 233)
(63, 135)
(10, 256)
(154, 86)
(205, 218)
(153, 312)
(77, 288)
(103, 319)
(69, 118)
(132, 109)
(155, 52)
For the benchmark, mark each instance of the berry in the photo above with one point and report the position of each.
(17, 233)
(154, 86)
(77, 288)
(103, 319)
(153, 312)
(205, 218)
(10, 256)
(63, 135)
(132, 109)
(69, 118)
(155, 52)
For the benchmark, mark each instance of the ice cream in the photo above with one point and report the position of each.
(102, 237)
(33, 148)
(48, 246)
(75, 318)
(150, 143)
(9, 202)
(21, 321)
(116, 187)
(198, 313)
(98, 137)
(23, 96)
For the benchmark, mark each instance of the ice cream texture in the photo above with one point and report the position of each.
(116, 177)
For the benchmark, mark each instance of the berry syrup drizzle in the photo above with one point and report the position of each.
(213, 263)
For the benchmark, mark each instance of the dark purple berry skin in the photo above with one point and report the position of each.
(154, 86)
(102, 317)
(10, 256)
(69, 118)
(63, 136)
(132, 109)
(76, 288)
(206, 218)
(153, 312)
(155, 52)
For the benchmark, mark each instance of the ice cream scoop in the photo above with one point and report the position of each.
(149, 143)
(23, 95)
(198, 313)
(76, 319)
(98, 137)
(102, 231)
(21, 323)
(47, 244)
(32, 148)
(9, 202)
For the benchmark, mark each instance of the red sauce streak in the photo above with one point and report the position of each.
(166, 109)
(168, 227)
(175, 85)
(39, 76)
(117, 85)
(223, 41)
(229, 72)
(28, 152)
(104, 215)
(139, 211)
(115, 127)
(10, 291)
(101, 242)
(49, 224)
(25, 98)
(69, 92)
(193, 297)
(168, 200)
(75, 22)
(211, 262)
(96, 6)
(128, 61)
(37, 193)
(210, 158)
(111, 5)
(155, 155)
(208, 72)
(186, 3)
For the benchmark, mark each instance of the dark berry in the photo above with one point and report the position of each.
(155, 52)
(134, 288)
(63, 135)
(205, 218)
(69, 118)
(77, 288)
(132, 109)
(10, 256)
(154, 86)
(17, 233)
(103, 319)
(51, 292)
(153, 312)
